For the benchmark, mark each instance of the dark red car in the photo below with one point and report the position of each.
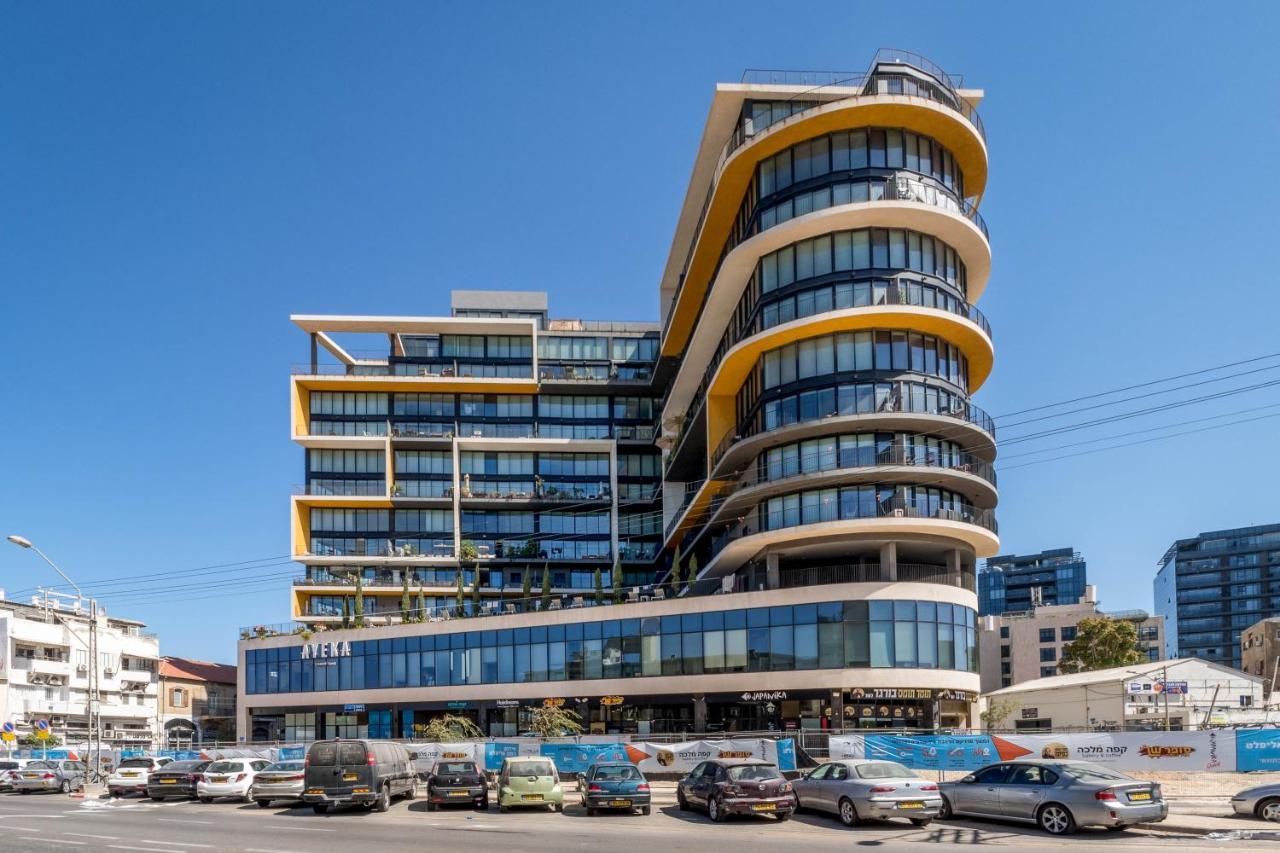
(740, 786)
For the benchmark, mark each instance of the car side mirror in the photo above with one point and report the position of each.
(969, 779)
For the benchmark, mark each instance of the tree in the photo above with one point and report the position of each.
(1101, 643)
(358, 621)
(691, 570)
(404, 597)
(422, 604)
(475, 593)
(458, 595)
(674, 576)
(448, 728)
(599, 585)
(546, 587)
(617, 579)
(998, 710)
(346, 612)
(30, 740)
(549, 721)
(528, 587)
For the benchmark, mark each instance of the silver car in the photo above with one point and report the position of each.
(1059, 796)
(859, 790)
(51, 775)
(1262, 801)
(280, 781)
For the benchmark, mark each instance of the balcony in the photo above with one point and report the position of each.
(596, 374)
(874, 573)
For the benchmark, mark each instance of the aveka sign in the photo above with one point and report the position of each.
(331, 649)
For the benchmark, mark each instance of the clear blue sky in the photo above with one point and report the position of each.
(177, 178)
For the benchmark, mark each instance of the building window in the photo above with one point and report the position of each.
(1004, 632)
(1047, 672)
(1005, 668)
(178, 697)
(1049, 654)
(1004, 651)
(1068, 633)
(1047, 635)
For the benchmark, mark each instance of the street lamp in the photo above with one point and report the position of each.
(95, 737)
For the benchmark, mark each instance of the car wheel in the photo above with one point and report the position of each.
(24, 791)
(645, 810)
(714, 810)
(783, 817)
(558, 807)
(944, 811)
(921, 821)
(503, 809)
(681, 801)
(431, 807)
(206, 800)
(384, 799)
(1269, 810)
(483, 805)
(1056, 819)
(65, 787)
(412, 793)
(1116, 828)
(319, 808)
(262, 804)
(848, 814)
(591, 812)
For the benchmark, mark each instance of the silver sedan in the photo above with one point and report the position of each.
(858, 790)
(1262, 801)
(51, 775)
(1058, 796)
(281, 781)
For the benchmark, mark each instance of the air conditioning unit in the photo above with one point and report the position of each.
(82, 667)
(54, 679)
(109, 672)
(35, 678)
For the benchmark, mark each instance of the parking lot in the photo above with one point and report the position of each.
(58, 822)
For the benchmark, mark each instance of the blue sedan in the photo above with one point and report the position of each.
(614, 786)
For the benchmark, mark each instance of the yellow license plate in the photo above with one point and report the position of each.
(349, 777)
(459, 794)
(1140, 795)
(168, 781)
(531, 797)
(619, 803)
(129, 775)
(765, 807)
(30, 775)
(217, 778)
(911, 805)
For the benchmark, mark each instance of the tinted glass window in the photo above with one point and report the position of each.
(183, 766)
(352, 753)
(324, 754)
(883, 770)
(992, 775)
(754, 773)
(285, 766)
(1031, 774)
(455, 767)
(820, 773)
(530, 768)
(226, 766)
(136, 762)
(617, 773)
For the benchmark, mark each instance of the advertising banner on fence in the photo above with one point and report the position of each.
(1257, 749)
(683, 757)
(577, 757)
(1213, 750)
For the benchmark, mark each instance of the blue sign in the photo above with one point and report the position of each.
(456, 705)
(291, 753)
(494, 753)
(352, 709)
(786, 754)
(1258, 749)
(577, 757)
(933, 752)
(178, 754)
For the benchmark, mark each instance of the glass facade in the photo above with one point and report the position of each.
(1013, 584)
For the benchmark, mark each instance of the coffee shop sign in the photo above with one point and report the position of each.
(331, 649)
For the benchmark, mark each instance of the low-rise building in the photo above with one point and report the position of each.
(1018, 647)
(1260, 651)
(197, 702)
(44, 673)
(1181, 694)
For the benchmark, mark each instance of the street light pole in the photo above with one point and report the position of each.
(95, 734)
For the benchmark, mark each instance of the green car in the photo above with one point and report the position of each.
(529, 780)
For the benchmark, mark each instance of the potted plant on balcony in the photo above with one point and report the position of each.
(546, 587)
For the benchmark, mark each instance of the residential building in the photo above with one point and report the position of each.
(44, 672)
(197, 702)
(1181, 694)
(1018, 647)
(797, 427)
(1018, 583)
(1211, 587)
(1260, 652)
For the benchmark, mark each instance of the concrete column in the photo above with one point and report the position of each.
(889, 561)
(699, 713)
(955, 567)
(773, 577)
(837, 709)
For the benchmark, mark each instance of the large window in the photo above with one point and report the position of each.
(875, 148)
(339, 403)
(863, 249)
(566, 348)
(568, 406)
(865, 351)
(870, 501)
(826, 635)
(860, 449)
(861, 398)
(347, 461)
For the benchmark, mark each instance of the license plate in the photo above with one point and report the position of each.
(619, 803)
(459, 794)
(129, 775)
(30, 776)
(765, 807)
(1140, 795)
(168, 781)
(531, 797)
(349, 777)
(217, 778)
(913, 804)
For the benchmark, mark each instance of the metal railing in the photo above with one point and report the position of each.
(874, 573)
(446, 430)
(454, 370)
(848, 458)
(342, 488)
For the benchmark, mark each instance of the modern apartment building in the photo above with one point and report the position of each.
(1017, 647)
(44, 673)
(797, 428)
(1211, 587)
(1018, 583)
(1260, 653)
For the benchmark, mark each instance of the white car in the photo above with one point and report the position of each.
(232, 777)
(132, 775)
(9, 768)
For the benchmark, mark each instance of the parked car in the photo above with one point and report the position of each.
(742, 786)
(614, 785)
(865, 790)
(358, 772)
(64, 776)
(1261, 801)
(9, 768)
(1059, 796)
(283, 780)
(456, 782)
(529, 780)
(231, 777)
(131, 776)
(176, 780)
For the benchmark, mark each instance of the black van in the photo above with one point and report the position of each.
(358, 772)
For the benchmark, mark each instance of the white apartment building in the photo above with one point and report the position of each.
(44, 673)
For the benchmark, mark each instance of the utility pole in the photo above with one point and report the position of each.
(1164, 675)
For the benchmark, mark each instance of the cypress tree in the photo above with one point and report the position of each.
(359, 611)
(546, 587)
(599, 584)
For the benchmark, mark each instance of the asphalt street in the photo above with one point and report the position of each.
(56, 822)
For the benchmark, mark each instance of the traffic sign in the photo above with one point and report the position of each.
(42, 730)
(7, 728)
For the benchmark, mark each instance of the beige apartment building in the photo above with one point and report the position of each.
(197, 702)
(1260, 651)
(1018, 647)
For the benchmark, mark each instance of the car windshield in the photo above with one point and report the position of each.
(753, 773)
(883, 770)
(1095, 773)
(530, 768)
(224, 767)
(455, 767)
(286, 767)
(136, 762)
(181, 766)
(616, 774)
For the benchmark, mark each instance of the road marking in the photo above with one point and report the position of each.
(301, 828)
(149, 849)
(58, 841)
(90, 835)
(184, 843)
(20, 828)
(180, 820)
(264, 850)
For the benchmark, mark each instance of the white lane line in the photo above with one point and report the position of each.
(58, 841)
(169, 843)
(301, 828)
(180, 820)
(90, 835)
(264, 850)
(8, 826)
(147, 849)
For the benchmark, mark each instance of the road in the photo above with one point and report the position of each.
(55, 822)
